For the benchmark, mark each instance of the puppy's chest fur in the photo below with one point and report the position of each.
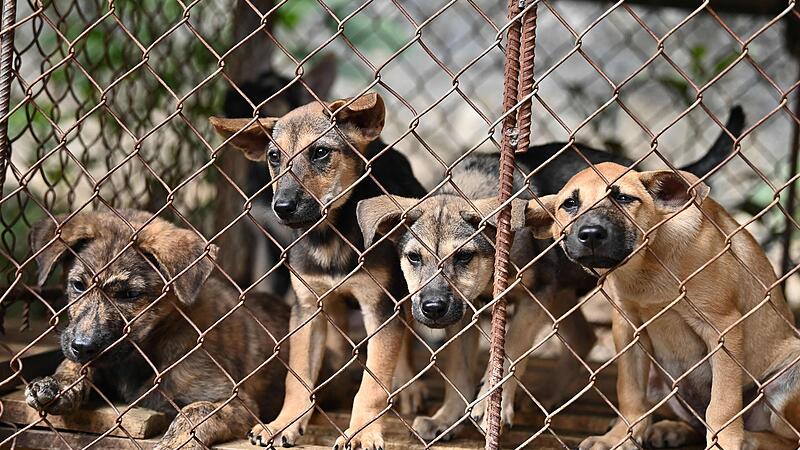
(324, 252)
(327, 254)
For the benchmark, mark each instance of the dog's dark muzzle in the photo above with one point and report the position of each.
(599, 240)
(96, 346)
(436, 307)
(295, 209)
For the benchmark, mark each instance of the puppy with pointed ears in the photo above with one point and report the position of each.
(123, 327)
(694, 290)
(320, 173)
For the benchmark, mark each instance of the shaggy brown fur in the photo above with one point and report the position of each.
(123, 328)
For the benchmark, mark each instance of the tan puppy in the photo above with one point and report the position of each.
(650, 235)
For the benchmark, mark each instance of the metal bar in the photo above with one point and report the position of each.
(503, 240)
(526, 78)
(6, 60)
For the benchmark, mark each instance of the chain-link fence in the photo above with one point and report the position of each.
(301, 270)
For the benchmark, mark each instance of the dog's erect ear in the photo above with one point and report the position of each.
(75, 232)
(366, 115)
(487, 206)
(670, 189)
(251, 136)
(539, 217)
(381, 214)
(320, 78)
(175, 249)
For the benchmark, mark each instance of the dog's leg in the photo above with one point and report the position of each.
(763, 440)
(579, 336)
(306, 349)
(459, 357)
(412, 397)
(195, 427)
(383, 349)
(56, 394)
(726, 381)
(632, 381)
(528, 320)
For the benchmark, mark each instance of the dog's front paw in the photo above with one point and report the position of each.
(428, 428)
(278, 433)
(479, 411)
(480, 416)
(370, 438)
(608, 442)
(671, 433)
(42, 394)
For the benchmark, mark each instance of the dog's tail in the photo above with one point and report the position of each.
(722, 147)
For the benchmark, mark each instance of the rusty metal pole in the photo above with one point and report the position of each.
(9, 16)
(526, 78)
(512, 137)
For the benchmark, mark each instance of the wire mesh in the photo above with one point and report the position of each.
(318, 333)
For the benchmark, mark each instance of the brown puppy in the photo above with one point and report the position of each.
(320, 173)
(123, 328)
(693, 289)
(447, 259)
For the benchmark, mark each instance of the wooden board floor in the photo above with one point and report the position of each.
(589, 414)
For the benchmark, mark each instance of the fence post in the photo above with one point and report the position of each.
(516, 86)
(6, 60)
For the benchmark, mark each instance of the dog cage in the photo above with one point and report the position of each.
(104, 107)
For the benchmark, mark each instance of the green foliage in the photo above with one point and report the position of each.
(701, 71)
(366, 32)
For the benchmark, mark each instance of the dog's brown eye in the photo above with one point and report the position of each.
(320, 153)
(273, 156)
(414, 258)
(624, 198)
(569, 204)
(463, 256)
(129, 295)
(77, 286)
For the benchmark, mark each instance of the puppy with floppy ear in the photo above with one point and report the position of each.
(697, 292)
(121, 312)
(446, 253)
(318, 174)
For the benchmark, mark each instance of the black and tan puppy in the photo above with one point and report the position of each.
(448, 264)
(123, 327)
(693, 290)
(320, 173)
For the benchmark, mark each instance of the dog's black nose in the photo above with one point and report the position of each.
(433, 309)
(284, 207)
(592, 234)
(84, 348)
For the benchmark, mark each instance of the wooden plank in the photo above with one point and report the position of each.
(41, 358)
(47, 439)
(137, 422)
